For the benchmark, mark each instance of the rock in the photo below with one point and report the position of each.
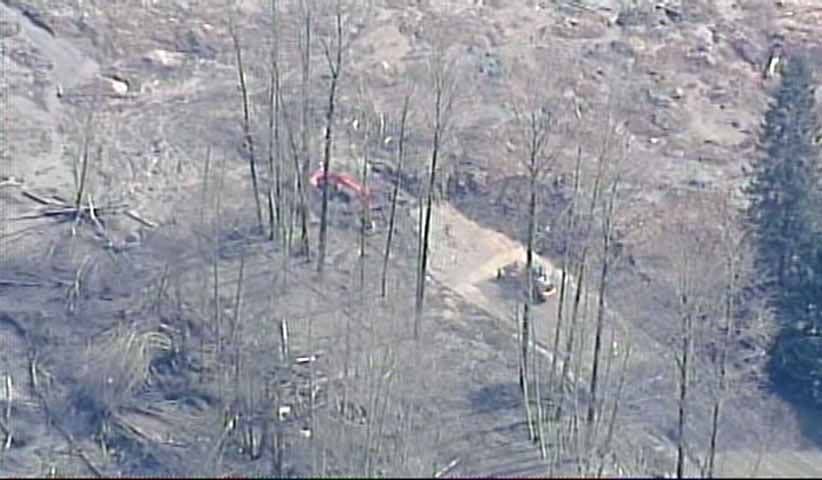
(118, 85)
(678, 94)
(164, 58)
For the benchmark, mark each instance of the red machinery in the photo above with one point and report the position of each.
(341, 183)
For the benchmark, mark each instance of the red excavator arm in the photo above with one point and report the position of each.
(341, 181)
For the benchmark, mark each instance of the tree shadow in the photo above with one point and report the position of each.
(794, 393)
(496, 397)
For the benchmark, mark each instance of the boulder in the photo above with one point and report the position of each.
(164, 58)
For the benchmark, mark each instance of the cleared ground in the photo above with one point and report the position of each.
(697, 94)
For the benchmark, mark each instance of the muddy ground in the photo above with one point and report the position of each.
(119, 354)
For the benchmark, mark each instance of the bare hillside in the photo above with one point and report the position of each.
(151, 323)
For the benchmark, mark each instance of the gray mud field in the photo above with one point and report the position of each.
(154, 322)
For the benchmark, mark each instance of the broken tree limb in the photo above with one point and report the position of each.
(444, 470)
(15, 283)
(308, 358)
(43, 200)
(100, 228)
(137, 218)
(92, 211)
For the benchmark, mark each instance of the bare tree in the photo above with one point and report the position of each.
(535, 122)
(614, 147)
(247, 137)
(734, 249)
(395, 192)
(570, 225)
(275, 198)
(334, 57)
(306, 16)
(684, 363)
(443, 83)
(298, 182)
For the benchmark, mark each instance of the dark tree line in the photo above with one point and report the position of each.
(785, 214)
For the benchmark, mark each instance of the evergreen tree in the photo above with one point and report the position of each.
(783, 175)
(785, 214)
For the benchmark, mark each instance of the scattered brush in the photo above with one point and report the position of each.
(118, 363)
(162, 423)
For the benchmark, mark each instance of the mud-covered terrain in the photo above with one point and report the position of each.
(147, 339)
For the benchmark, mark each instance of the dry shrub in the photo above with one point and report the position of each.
(117, 364)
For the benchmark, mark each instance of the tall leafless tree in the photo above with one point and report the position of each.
(248, 139)
(443, 82)
(614, 148)
(306, 22)
(275, 197)
(395, 192)
(570, 215)
(735, 271)
(535, 122)
(334, 57)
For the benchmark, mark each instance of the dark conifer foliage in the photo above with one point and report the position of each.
(785, 214)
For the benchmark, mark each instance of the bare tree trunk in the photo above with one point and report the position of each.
(365, 210)
(563, 286)
(524, 386)
(249, 140)
(605, 168)
(614, 412)
(729, 313)
(423, 271)
(540, 428)
(218, 309)
(570, 342)
(444, 90)
(302, 171)
(421, 192)
(529, 277)
(688, 297)
(274, 161)
(335, 69)
(684, 379)
(722, 372)
(603, 278)
(206, 170)
(298, 193)
(312, 403)
(394, 194)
